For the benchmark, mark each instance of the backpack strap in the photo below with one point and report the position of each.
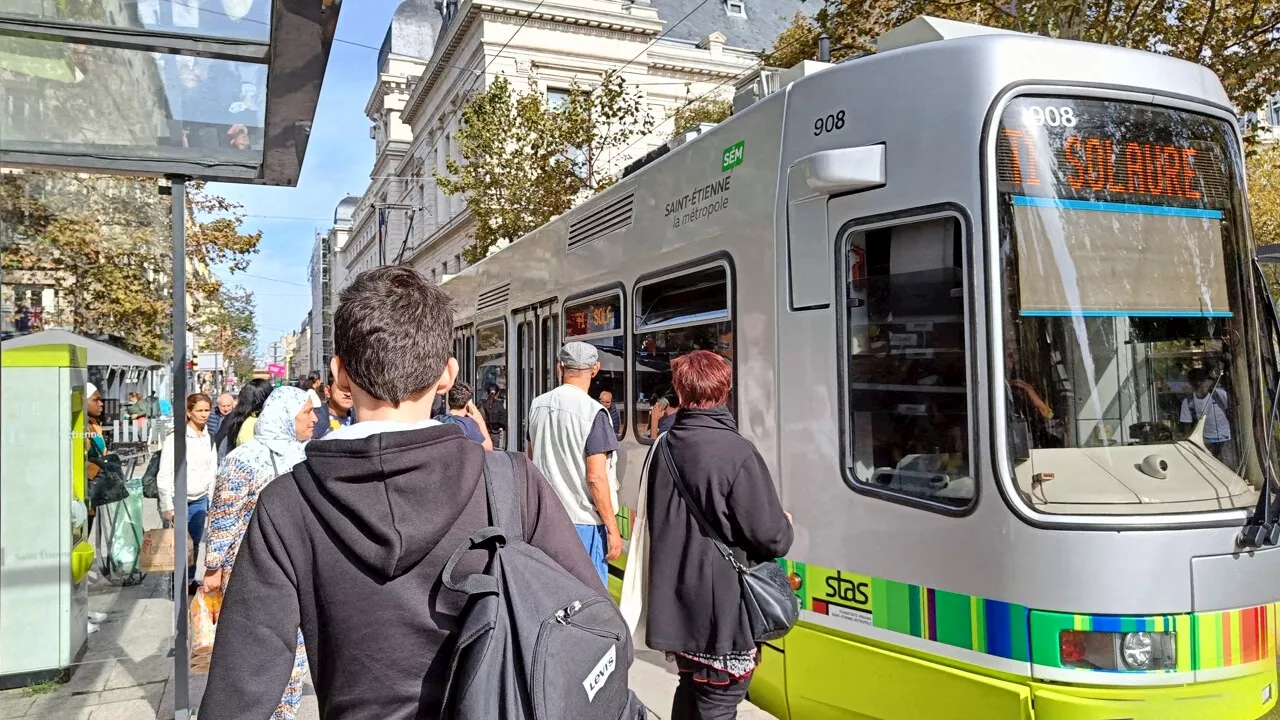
(502, 494)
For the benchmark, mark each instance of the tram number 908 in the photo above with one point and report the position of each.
(1049, 115)
(827, 124)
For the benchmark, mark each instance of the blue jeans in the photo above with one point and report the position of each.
(596, 540)
(197, 511)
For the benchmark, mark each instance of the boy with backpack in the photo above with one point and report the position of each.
(430, 579)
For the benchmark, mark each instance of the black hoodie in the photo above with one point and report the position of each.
(350, 548)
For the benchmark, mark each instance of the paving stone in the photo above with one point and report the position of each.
(88, 677)
(152, 693)
(15, 704)
(127, 710)
(62, 705)
(131, 673)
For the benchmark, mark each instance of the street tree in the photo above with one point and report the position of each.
(709, 110)
(522, 162)
(228, 327)
(103, 243)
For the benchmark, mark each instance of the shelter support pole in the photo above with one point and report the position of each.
(181, 650)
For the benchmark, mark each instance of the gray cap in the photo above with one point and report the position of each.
(578, 356)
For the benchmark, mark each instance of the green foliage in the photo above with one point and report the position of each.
(228, 327)
(523, 162)
(104, 244)
(706, 110)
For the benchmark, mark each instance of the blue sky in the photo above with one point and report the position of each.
(339, 158)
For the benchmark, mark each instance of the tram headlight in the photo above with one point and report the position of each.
(1137, 649)
(1117, 651)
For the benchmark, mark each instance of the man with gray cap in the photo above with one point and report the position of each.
(571, 440)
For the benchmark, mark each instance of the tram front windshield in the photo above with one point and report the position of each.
(1128, 308)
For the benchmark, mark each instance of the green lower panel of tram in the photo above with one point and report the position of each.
(823, 673)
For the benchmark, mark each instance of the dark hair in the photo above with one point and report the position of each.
(194, 399)
(702, 379)
(252, 397)
(394, 332)
(459, 395)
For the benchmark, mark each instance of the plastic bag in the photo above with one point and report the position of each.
(205, 607)
(126, 535)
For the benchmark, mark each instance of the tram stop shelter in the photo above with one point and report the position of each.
(211, 90)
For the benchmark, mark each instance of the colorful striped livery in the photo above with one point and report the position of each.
(1216, 639)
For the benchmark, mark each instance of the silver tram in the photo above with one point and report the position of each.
(996, 328)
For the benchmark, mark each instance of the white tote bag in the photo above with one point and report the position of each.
(634, 603)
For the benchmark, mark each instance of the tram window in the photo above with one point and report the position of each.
(550, 347)
(675, 316)
(598, 321)
(491, 378)
(905, 344)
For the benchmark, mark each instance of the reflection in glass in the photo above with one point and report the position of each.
(491, 380)
(64, 98)
(908, 402)
(1127, 320)
(238, 19)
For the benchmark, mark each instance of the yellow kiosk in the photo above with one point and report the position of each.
(44, 553)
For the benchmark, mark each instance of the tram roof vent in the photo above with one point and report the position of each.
(494, 297)
(928, 29)
(608, 218)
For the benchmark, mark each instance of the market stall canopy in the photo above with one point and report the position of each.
(100, 353)
(217, 90)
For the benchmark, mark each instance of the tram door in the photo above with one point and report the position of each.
(464, 351)
(537, 334)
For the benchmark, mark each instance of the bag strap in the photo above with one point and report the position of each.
(678, 481)
(502, 494)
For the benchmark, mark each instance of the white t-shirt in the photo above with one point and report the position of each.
(1217, 426)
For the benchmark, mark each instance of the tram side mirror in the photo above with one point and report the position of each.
(1019, 440)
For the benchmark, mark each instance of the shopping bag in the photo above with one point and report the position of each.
(205, 607)
(634, 601)
(126, 534)
(157, 551)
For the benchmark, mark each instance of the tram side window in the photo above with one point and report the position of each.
(905, 344)
(675, 316)
(598, 321)
(491, 379)
(525, 372)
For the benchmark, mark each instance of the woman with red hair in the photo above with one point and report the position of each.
(695, 612)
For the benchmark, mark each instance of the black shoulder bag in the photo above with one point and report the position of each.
(771, 605)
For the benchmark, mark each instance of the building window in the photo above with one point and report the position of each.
(1273, 112)
(556, 97)
(457, 263)
(736, 8)
(903, 347)
(597, 320)
(444, 268)
(675, 315)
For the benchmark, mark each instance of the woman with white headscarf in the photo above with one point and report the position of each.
(284, 425)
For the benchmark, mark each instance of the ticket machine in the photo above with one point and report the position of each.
(45, 555)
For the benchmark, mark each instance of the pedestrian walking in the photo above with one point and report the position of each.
(236, 429)
(572, 441)
(202, 470)
(464, 413)
(351, 545)
(337, 411)
(285, 424)
(703, 474)
(221, 410)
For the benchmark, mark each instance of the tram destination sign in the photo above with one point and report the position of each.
(594, 316)
(1109, 151)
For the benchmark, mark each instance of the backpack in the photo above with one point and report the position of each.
(150, 488)
(535, 643)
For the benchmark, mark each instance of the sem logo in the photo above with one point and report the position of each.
(733, 156)
(601, 673)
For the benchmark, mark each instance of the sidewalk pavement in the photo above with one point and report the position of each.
(126, 672)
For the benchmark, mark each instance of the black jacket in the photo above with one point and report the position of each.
(695, 604)
(350, 548)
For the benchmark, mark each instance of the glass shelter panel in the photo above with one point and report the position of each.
(70, 99)
(905, 337)
(1127, 324)
(84, 406)
(232, 19)
(675, 316)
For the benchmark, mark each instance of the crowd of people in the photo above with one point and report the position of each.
(337, 505)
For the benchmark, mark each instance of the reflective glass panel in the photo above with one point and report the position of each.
(238, 19)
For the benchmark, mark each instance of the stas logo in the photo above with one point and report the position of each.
(854, 590)
(733, 156)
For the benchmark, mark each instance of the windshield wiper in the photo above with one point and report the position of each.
(1262, 528)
